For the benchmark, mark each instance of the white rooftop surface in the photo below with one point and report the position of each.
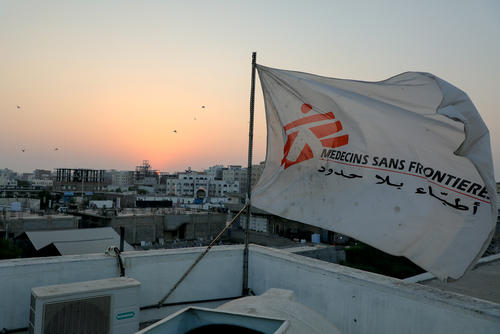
(299, 249)
(32, 216)
(75, 247)
(353, 300)
(77, 241)
(482, 282)
(281, 304)
(148, 212)
(79, 287)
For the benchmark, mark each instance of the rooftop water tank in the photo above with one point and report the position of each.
(281, 304)
(275, 311)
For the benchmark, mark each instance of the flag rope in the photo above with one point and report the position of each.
(221, 233)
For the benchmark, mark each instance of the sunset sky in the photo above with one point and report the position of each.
(107, 82)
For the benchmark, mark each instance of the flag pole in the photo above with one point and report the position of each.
(249, 177)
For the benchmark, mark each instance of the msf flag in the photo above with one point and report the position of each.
(403, 164)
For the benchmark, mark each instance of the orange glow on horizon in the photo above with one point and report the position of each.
(114, 83)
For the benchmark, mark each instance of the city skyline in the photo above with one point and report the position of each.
(182, 170)
(106, 85)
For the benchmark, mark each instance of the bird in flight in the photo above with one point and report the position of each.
(175, 131)
(202, 107)
(22, 150)
(18, 107)
(56, 149)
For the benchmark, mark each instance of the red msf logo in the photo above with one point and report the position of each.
(320, 131)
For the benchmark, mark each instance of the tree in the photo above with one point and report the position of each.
(23, 184)
(8, 250)
(365, 257)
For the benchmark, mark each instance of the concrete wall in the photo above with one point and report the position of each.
(327, 254)
(355, 301)
(361, 302)
(137, 227)
(26, 203)
(217, 276)
(37, 223)
(205, 227)
(151, 227)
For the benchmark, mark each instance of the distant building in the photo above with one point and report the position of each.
(220, 188)
(8, 179)
(187, 183)
(7, 182)
(262, 221)
(42, 174)
(235, 173)
(84, 180)
(122, 178)
(145, 175)
(190, 182)
(41, 183)
(27, 176)
(7, 174)
(257, 172)
(215, 172)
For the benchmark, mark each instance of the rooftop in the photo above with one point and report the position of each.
(354, 301)
(77, 241)
(482, 282)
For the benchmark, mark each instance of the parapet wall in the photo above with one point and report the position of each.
(361, 302)
(23, 223)
(217, 276)
(151, 227)
(353, 300)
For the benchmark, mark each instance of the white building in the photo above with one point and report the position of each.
(257, 172)
(28, 177)
(7, 182)
(235, 173)
(215, 172)
(43, 174)
(220, 188)
(41, 183)
(7, 178)
(188, 183)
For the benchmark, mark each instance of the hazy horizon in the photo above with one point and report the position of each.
(201, 169)
(108, 83)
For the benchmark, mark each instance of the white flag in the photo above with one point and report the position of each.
(403, 164)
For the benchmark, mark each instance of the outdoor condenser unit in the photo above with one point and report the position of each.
(107, 306)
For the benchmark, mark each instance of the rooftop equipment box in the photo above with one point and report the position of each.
(107, 306)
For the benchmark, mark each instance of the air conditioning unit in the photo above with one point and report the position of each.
(107, 306)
